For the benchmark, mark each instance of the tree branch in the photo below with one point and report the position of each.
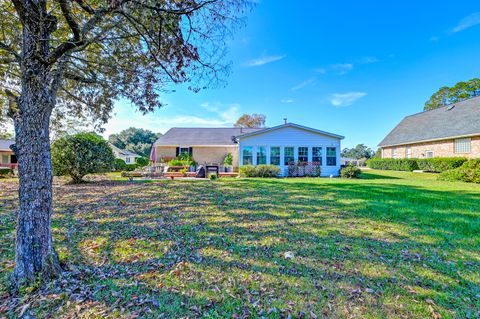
(70, 19)
(10, 50)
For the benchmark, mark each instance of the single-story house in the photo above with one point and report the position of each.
(449, 131)
(127, 156)
(277, 145)
(7, 156)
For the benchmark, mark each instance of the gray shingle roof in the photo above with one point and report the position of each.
(451, 121)
(5, 144)
(123, 152)
(201, 136)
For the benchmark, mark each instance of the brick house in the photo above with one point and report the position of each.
(449, 131)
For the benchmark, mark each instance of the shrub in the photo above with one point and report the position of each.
(469, 172)
(228, 161)
(213, 177)
(131, 167)
(350, 171)
(259, 171)
(267, 171)
(142, 161)
(5, 172)
(119, 165)
(81, 154)
(176, 162)
(440, 164)
(247, 171)
(395, 164)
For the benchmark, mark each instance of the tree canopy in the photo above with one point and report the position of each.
(133, 139)
(100, 51)
(448, 95)
(358, 152)
(252, 121)
(72, 59)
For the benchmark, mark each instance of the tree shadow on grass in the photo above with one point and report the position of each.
(218, 249)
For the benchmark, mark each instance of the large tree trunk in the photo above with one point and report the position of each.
(35, 257)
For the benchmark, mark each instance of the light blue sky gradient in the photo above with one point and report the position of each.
(354, 68)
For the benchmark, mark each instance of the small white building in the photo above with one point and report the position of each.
(127, 156)
(291, 142)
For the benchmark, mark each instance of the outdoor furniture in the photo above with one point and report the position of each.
(200, 173)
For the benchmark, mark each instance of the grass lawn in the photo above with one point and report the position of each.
(389, 245)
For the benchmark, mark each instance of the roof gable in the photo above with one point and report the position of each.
(451, 121)
(301, 127)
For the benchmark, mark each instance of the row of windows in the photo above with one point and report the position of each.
(461, 146)
(288, 155)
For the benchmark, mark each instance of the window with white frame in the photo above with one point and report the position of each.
(394, 153)
(288, 155)
(463, 145)
(303, 154)
(317, 155)
(429, 154)
(331, 156)
(5, 159)
(275, 155)
(261, 155)
(247, 155)
(408, 152)
(127, 160)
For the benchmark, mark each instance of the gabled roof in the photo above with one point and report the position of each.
(123, 152)
(5, 145)
(460, 119)
(197, 136)
(262, 131)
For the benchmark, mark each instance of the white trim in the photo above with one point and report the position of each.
(290, 125)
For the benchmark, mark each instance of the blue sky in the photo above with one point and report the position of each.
(354, 68)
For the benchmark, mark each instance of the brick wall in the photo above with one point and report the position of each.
(445, 148)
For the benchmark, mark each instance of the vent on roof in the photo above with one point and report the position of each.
(450, 107)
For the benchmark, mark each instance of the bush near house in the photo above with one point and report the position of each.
(81, 154)
(6, 172)
(142, 161)
(469, 172)
(350, 171)
(393, 164)
(440, 164)
(434, 165)
(259, 171)
(182, 160)
(119, 165)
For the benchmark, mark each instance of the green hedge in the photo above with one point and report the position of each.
(440, 164)
(469, 172)
(394, 164)
(259, 171)
(435, 165)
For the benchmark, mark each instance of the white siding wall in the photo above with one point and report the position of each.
(293, 137)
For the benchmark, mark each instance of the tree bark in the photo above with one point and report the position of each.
(35, 256)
